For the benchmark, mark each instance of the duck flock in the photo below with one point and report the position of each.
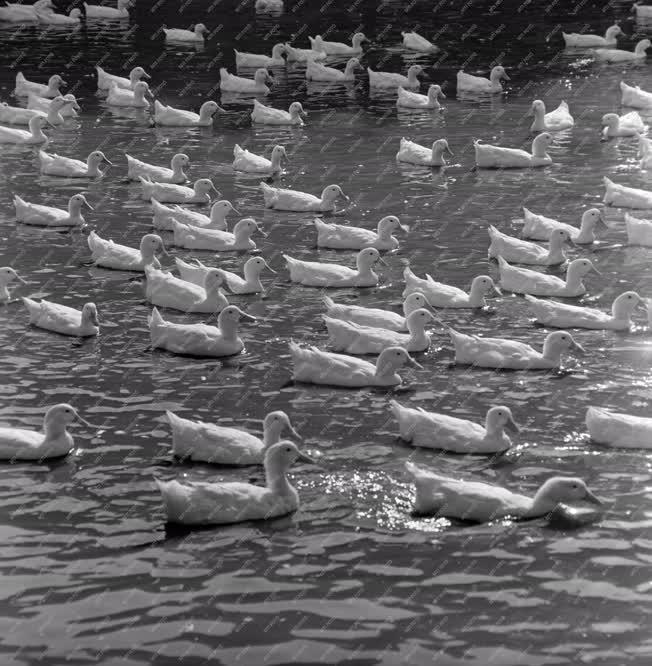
(355, 332)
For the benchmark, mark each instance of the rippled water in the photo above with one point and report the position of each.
(89, 573)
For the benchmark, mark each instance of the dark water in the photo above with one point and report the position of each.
(89, 574)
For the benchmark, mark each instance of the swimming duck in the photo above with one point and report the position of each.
(302, 55)
(267, 115)
(17, 115)
(527, 281)
(539, 227)
(257, 60)
(629, 124)
(343, 237)
(523, 252)
(562, 315)
(392, 80)
(167, 291)
(441, 295)
(479, 502)
(48, 216)
(55, 440)
(171, 193)
(510, 354)
(375, 317)
(101, 12)
(197, 238)
(164, 216)
(293, 200)
(626, 197)
(175, 174)
(313, 366)
(21, 137)
(36, 103)
(221, 445)
(624, 431)
(579, 40)
(243, 160)
(55, 165)
(635, 97)
(108, 254)
(338, 48)
(239, 84)
(129, 98)
(617, 55)
(317, 72)
(251, 284)
(432, 430)
(318, 274)
(644, 152)
(269, 6)
(639, 232)
(24, 87)
(168, 116)
(63, 319)
(554, 121)
(7, 276)
(415, 42)
(202, 503)
(19, 13)
(49, 17)
(414, 153)
(106, 81)
(470, 83)
(352, 338)
(199, 339)
(642, 11)
(496, 157)
(411, 100)
(196, 35)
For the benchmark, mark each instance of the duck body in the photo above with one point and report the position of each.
(578, 40)
(169, 116)
(165, 216)
(293, 200)
(277, 59)
(320, 45)
(106, 81)
(343, 237)
(248, 162)
(440, 295)
(166, 291)
(52, 164)
(618, 55)
(540, 227)
(629, 124)
(635, 97)
(639, 232)
(392, 80)
(48, 216)
(317, 72)
(179, 35)
(526, 281)
(407, 99)
(21, 137)
(626, 197)
(49, 17)
(619, 430)
(171, 193)
(268, 115)
(523, 252)
(24, 87)
(108, 254)
(125, 97)
(175, 174)
(63, 319)
(319, 274)
(198, 238)
(414, 153)
(19, 13)
(17, 115)
(415, 42)
(240, 84)
(480, 84)
(303, 55)
(497, 157)
(553, 121)
(114, 13)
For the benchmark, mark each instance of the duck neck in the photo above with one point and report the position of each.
(276, 161)
(93, 168)
(74, 210)
(539, 123)
(493, 430)
(215, 296)
(242, 235)
(494, 77)
(54, 429)
(587, 232)
(541, 504)
(349, 70)
(37, 133)
(198, 196)
(418, 336)
(205, 115)
(278, 482)
(621, 311)
(364, 270)
(54, 116)
(640, 49)
(229, 329)
(178, 172)
(271, 436)
(438, 155)
(556, 249)
(538, 149)
(476, 296)
(252, 278)
(551, 352)
(412, 79)
(573, 279)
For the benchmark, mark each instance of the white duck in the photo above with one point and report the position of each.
(56, 110)
(267, 115)
(303, 55)
(318, 274)
(168, 116)
(167, 291)
(406, 99)
(199, 339)
(194, 36)
(617, 55)
(19, 13)
(239, 84)
(202, 503)
(375, 317)
(506, 354)
(629, 124)
(415, 42)
(101, 12)
(24, 87)
(313, 366)
(7, 276)
(257, 60)
(293, 200)
(392, 80)
(106, 81)
(52, 164)
(414, 153)
(479, 502)
(49, 17)
(197, 238)
(343, 237)
(635, 97)
(48, 216)
(345, 336)
(108, 254)
(222, 445)
(554, 121)
(199, 193)
(249, 284)
(17, 115)
(626, 197)
(164, 216)
(562, 315)
(243, 160)
(639, 232)
(496, 157)
(644, 152)
(441, 295)
(175, 174)
(432, 430)
(539, 227)
(20, 137)
(129, 98)
(315, 71)
(642, 11)
(480, 84)
(624, 431)
(526, 281)
(338, 48)
(523, 252)
(63, 319)
(271, 6)
(54, 442)
(575, 39)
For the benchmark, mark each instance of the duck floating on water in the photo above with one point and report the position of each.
(639, 232)
(129, 98)
(575, 39)
(317, 72)
(318, 274)
(171, 193)
(617, 55)
(414, 153)
(268, 115)
(320, 45)
(626, 197)
(303, 55)
(168, 116)
(19, 13)
(167, 291)
(7, 276)
(243, 160)
(415, 42)
(258, 60)
(48, 216)
(624, 431)
(554, 121)
(524, 252)
(114, 13)
(480, 84)
(293, 200)
(51, 18)
(249, 284)
(441, 295)
(52, 164)
(52, 89)
(175, 174)
(165, 216)
(62, 319)
(497, 157)
(194, 36)
(629, 124)
(105, 80)
(343, 237)
(108, 254)
(240, 84)
(198, 238)
(20, 137)
(635, 97)
(526, 281)
(540, 227)
(392, 80)
(406, 99)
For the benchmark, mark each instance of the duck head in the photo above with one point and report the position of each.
(559, 342)
(418, 320)
(138, 73)
(642, 46)
(274, 424)
(497, 74)
(331, 192)
(367, 259)
(558, 237)
(262, 76)
(578, 268)
(247, 226)
(393, 358)
(200, 30)
(89, 314)
(414, 301)
(8, 275)
(209, 109)
(55, 82)
(279, 51)
(203, 186)
(541, 144)
(179, 161)
(615, 30)
(281, 456)
(435, 92)
(94, 160)
(500, 418)
(358, 39)
(296, 111)
(214, 280)
(150, 246)
(255, 266)
(37, 124)
(625, 304)
(482, 285)
(538, 109)
(229, 319)
(562, 490)
(438, 148)
(220, 209)
(75, 203)
(591, 218)
(389, 224)
(59, 416)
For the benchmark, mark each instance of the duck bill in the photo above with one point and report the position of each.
(94, 320)
(414, 364)
(593, 498)
(88, 205)
(595, 270)
(602, 221)
(302, 457)
(512, 426)
(294, 433)
(146, 75)
(441, 94)
(163, 251)
(247, 317)
(236, 211)
(449, 151)
(404, 227)
(498, 290)
(105, 161)
(20, 279)
(578, 348)
(270, 269)
(506, 77)
(215, 189)
(264, 234)
(220, 109)
(84, 421)
(382, 261)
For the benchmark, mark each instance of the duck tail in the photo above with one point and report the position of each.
(412, 469)
(502, 263)
(32, 306)
(237, 149)
(328, 302)
(155, 319)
